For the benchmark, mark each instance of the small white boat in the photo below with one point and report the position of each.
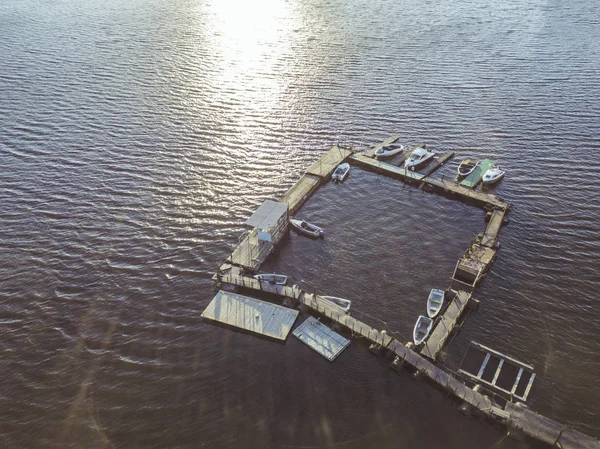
(435, 302)
(272, 278)
(418, 157)
(341, 172)
(389, 150)
(466, 167)
(422, 328)
(344, 304)
(494, 174)
(307, 228)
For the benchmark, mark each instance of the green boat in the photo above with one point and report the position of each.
(475, 176)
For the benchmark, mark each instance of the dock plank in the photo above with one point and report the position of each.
(251, 314)
(385, 168)
(445, 325)
(328, 162)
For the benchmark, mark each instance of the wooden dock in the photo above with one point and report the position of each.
(514, 416)
(385, 168)
(300, 192)
(251, 252)
(390, 140)
(453, 190)
(474, 264)
(437, 163)
(446, 324)
(321, 338)
(328, 162)
(490, 235)
(251, 314)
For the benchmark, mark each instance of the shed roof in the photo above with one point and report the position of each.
(267, 215)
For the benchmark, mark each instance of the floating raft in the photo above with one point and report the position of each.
(321, 339)
(474, 178)
(251, 314)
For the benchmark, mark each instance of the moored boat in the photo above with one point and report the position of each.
(389, 150)
(272, 278)
(344, 304)
(422, 329)
(307, 228)
(418, 157)
(340, 172)
(435, 302)
(466, 167)
(494, 174)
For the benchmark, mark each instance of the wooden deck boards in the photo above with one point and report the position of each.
(251, 314)
(250, 253)
(300, 192)
(490, 235)
(328, 162)
(321, 339)
(447, 322)
(437, 163)
(476, 198)
(385, 168)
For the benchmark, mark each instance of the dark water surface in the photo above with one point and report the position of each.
(135, 139)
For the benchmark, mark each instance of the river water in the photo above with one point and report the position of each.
(136, 138)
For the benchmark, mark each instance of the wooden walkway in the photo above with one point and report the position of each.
(300, 192)
(490, 235)
(251, 314)
(385, 168)
(250, 253)
(328, 162)
(453, 190)
(390, 140)
(437, 163)
(513, 416)
(446, 324)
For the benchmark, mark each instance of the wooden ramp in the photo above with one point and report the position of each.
(385, 168)
(321, 339)
(446, 324)
(251, 314)
(328, 162)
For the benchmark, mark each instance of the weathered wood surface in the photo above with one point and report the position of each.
(445, 324)
(328, 162)
(490, 235)
(251, 314)
(385, 168)
(250, 253)
(300, 192)
(321, 338)
(516, 417)
(437, 163)
(476, 198)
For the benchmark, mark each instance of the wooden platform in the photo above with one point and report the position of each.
(321, 339)
(474, 264)
(328, 162)
(437, 163)
(250, 253)
(251, 314)
(453, 190)
(490, 235)
(300, 192)
(446, 324)
(385, 168)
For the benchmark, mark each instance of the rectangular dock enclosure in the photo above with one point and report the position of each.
(251, 314)
(320, 338)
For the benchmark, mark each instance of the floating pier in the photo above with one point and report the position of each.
(321, 339)
(251, 314)
(469, 270)
(447, 323)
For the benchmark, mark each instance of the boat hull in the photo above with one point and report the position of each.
(306, 228)
(422, 329)
(435, 302)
